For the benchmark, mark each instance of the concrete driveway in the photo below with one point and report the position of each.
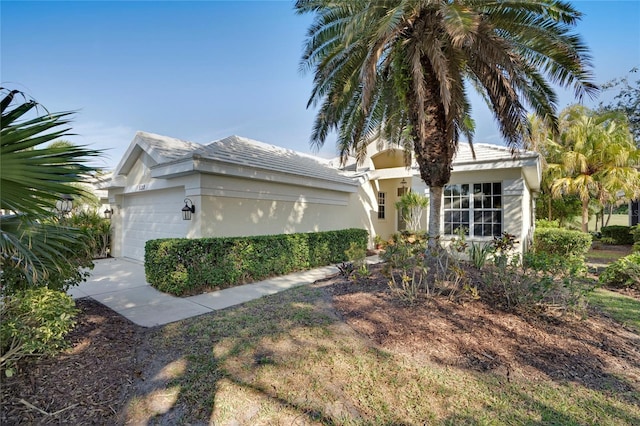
(120, 284)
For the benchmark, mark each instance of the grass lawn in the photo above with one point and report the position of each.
(286, 359)
(607, 254)
(622, 308)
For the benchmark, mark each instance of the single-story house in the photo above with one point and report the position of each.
(239, 186)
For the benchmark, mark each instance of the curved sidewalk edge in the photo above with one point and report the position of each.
(120, 284)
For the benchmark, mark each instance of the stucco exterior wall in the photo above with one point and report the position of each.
(155, 201)
(389, 225)
(273, 203)
(236, 206)
(361, 210)
(516, 200)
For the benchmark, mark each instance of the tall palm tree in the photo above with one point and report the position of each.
(33, 179)
(401, 69)
(599, 158)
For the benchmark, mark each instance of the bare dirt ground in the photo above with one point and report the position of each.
(90, 382)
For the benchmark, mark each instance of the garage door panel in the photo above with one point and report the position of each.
(151, 215)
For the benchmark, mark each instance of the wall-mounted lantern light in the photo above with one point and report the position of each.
(108, 213)
(403, 182)
(64, 205)
(188, 209)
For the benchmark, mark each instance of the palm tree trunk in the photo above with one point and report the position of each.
(608, 216)
(435, 204)
(585, 215)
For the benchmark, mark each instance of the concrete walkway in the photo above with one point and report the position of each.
(120, 284)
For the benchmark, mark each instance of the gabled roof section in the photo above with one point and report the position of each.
(246, 152)
(484, 153)
(493, 157)
(488, 153)
(162, 149)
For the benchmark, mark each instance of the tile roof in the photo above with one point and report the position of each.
(247, 152)
(164, 148)
(484, 153)
(241, 151)
(487, 153)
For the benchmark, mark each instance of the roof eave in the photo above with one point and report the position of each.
(198, 164)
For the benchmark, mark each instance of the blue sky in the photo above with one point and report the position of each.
(205, 70)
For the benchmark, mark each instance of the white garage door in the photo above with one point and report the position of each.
(151, 215)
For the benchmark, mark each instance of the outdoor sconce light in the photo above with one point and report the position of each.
(108, 213)
(64, 205)
(188, 209)
(403, 182)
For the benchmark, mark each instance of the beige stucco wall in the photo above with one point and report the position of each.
(233, 206)
(236, 206)
(139, 181)
(389, 225)
(516, 198)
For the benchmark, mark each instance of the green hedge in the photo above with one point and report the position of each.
(186, 266)
(620, 234)
(563, 242)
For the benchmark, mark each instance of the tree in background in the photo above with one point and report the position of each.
(626, 101)
(34, 248)
(566, 210)
(541, 140)
(88, 199)
(594, 158)
(399, 69)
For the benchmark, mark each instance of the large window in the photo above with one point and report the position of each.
(477, 208)
(381, 204)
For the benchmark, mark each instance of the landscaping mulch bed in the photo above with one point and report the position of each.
(91, 382)
(470, 334)
(87, 384)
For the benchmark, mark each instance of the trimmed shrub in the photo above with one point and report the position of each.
(623, 272)
(34, 322)
(545, 223)
(620, 235)
(562, 242)
(635, 232)
(183, 266)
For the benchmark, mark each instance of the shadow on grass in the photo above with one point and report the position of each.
(187, 363)
(621, 308)
(252, 354)
(562, 350)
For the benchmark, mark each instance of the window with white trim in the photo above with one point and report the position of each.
(381, 204)
(477, 208)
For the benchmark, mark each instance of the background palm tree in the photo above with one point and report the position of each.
(32, 242)
(87, 199)
(598, 158)
(400, 69)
